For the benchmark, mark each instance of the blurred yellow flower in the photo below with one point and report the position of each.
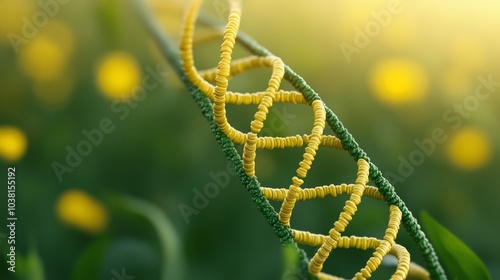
(469, 149)
(13, 143)
(11, 15)
(43, 58)
(398, 81)
(46, 56)
(118, 74)
(82, 211)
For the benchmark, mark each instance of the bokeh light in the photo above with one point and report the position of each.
(80, 210)
(398, 81)
(469, 148)
(42, 58)
(118, 74)
(45, 57)
(11, 13)
(13, 143)
(467, 53)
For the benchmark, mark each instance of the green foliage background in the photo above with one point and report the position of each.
(164, 149)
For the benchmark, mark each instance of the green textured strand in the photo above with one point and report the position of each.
(251, 184)
(349, 143)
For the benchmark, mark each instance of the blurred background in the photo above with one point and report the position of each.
(91, 112)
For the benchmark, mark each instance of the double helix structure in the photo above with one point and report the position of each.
(209, 89)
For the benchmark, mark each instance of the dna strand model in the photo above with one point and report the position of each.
(209, 89)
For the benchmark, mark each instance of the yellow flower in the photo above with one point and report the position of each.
(82, 211)
(469, 149)
(43, 58)
(118, 74)
(13, 143)
(11, 15)
(399, 81)
(46, 56)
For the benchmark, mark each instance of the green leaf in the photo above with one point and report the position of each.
(88, 266)
(459, 261)
(169, 239)
(30, 267)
